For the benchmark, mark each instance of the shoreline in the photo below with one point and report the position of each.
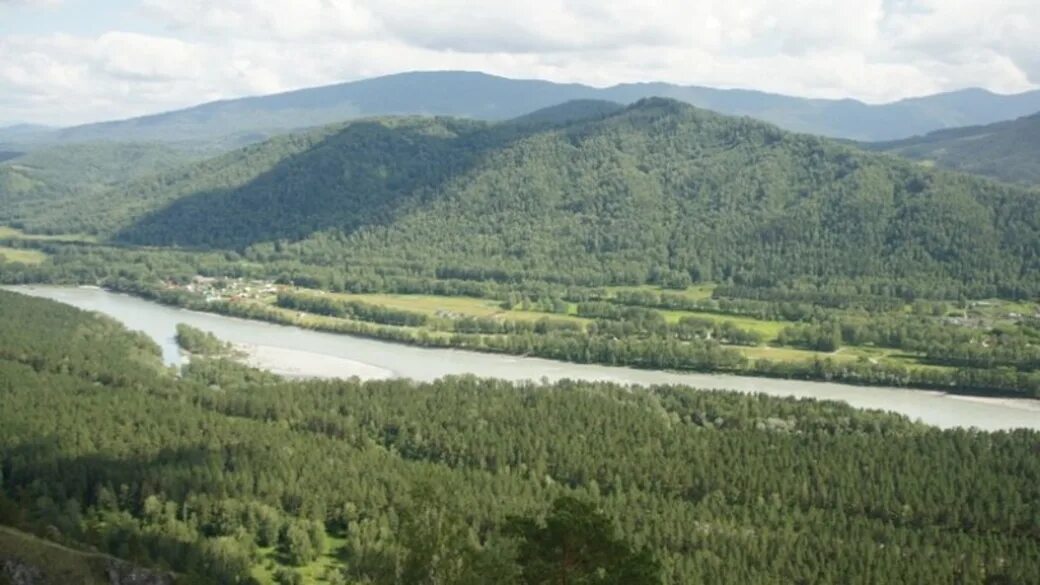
(764, 370)
(1031, 404)
(363, 356)
(297, 364)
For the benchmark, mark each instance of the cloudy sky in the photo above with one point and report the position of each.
(73, 61)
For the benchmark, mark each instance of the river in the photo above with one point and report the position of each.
(301, 352)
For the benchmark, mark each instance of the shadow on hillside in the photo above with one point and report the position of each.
(105, 482)
(361, 176)
(6, 155)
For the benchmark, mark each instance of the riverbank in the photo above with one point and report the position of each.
(649, 354)
(303, 364)
(426, 364)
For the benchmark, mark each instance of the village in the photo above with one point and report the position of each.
(228, 289)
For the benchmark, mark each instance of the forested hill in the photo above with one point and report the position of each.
(1009, 151)
(488, 97)
(38, 184)
(657, 188)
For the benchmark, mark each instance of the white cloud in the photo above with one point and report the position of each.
(299, 20)
(136, 57)
(31, 2)
(198, 50)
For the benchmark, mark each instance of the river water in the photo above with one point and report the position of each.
(297, 351)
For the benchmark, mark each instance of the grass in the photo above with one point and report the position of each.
(792, 354)
(59, 564)
(10, 233)
(996, 308)
(22, 255)
(697, 292)
(327, 323)
(846, 354)
(782, 354)
(315, 572)
(445, 308)
(453, 307)
(767, 329)
(431, 305)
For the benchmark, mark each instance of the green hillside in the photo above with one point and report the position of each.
(43, 181)
(571, 111)
(26, 559)
(52, 563)
(659, 190)
(1009, 151)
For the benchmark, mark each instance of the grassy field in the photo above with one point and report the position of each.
(767, 329)
(10, 233)
(783, 354)
(453, 307)
(22, 255)
(847, 354)
(448, 307)
(999, 310)
(313, 573)
(326, 323)
(791, 354)
(697, 292)
(58, 563)
(442, 309)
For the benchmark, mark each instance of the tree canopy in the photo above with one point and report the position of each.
(234, 477)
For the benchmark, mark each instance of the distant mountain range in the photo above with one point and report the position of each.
(487, 97)
(14, 132)
(1009, 151)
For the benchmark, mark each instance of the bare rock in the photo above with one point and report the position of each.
(19, 573)
(125, 574)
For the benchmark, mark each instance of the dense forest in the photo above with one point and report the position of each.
(224, 474)
(87, 188)
(200, 343)
(582, 194)
(43, 182)
(1008, 151)
(659, 191)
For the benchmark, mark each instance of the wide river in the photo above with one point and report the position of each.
(302, 352)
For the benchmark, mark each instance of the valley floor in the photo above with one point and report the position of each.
(443, 311)
(977, 347)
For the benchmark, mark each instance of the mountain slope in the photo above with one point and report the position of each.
(17, 132)
(657, 188)
(461, 94)
(571, 111)
(1009, 151)
(27, 559)
(487, 97)
(35, 184)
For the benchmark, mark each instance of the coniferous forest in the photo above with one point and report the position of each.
(656, 192)
(226, 475)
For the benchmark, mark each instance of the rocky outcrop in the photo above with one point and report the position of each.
(13, 571)
(120, 573)
(19, 573)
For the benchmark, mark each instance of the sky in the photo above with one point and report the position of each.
(66, 62)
